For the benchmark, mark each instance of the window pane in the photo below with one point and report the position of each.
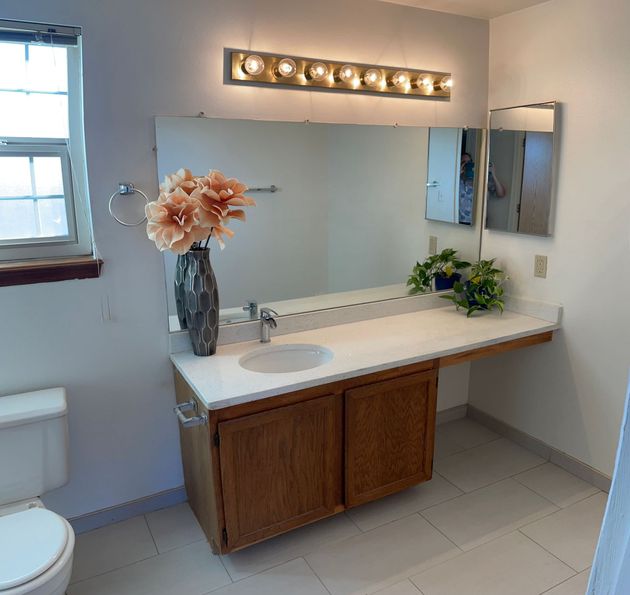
(17, 219)
(15, 177)
(13, 71)
(33, 115)
(48, 177)
(52, 217)
(31, 218)
(47, 68)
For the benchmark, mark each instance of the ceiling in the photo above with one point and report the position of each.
(483, 9)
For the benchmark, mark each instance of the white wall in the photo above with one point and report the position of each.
(570, 392)
(159, 57)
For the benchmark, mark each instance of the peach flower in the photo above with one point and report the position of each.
(183, 179)
(192, 209)
(173, 222)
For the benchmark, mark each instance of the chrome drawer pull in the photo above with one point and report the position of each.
(189, 422)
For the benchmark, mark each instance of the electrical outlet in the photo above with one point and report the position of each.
(540, 266)
(432, 245)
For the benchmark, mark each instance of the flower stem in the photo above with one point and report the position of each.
(208, 238)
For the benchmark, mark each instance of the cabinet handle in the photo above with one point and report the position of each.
(189, 422)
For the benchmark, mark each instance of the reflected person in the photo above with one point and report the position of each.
(495, 188)
(466, 189)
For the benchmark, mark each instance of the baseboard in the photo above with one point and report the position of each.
(542, 449)
(121, 512)
(451, 414)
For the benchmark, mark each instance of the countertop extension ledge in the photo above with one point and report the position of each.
(359, 348)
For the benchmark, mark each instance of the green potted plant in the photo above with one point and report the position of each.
(440, 268)
(483, 291)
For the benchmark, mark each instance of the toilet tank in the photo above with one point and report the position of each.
(33, 444)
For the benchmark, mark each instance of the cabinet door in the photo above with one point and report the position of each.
(390, 428)
(280, 469)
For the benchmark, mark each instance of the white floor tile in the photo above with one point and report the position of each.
(511, 565)
(174, 527)
(394, 507)
(576, 585)
(483, 515)
(444, 446)
(467, 433)
(286, 547)
(112, 547)
(486, 464)
(403, 588)
(571, 534)
(556, 484)
(189, 570)
(291, 578)
(381, 557)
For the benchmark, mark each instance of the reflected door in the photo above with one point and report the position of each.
(536, 185)
(443, 174)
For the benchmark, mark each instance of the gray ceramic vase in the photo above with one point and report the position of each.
(180, 272)
(201, 302)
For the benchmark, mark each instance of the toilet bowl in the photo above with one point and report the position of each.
(36, 547)
(36, 544)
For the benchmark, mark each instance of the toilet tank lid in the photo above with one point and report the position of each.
(25, 408)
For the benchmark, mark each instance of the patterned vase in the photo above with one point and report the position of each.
(180, 271)
(201, 302)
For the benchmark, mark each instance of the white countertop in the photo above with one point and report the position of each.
(359, 348)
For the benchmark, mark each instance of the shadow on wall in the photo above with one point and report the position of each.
(531, 389)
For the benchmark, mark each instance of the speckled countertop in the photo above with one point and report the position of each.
(359, 348)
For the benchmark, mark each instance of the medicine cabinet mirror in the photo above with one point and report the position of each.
(341, 215)
(521, 169)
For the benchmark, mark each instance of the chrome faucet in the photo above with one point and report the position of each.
(267, 322)
(251, 306)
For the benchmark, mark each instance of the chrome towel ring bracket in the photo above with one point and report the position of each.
(126, 189)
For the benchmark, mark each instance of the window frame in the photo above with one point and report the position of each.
(78, 242)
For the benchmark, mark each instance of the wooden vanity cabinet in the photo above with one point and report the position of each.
(390, 429)
(263, 468)
(280, 469)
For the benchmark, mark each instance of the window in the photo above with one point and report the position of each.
(44, 209)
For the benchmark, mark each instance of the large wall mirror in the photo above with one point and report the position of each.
(348, 219)
(520, 169)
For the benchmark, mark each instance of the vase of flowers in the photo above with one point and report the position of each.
(187, 214)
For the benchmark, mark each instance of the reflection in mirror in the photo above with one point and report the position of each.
(520, 169)
(345, 225)
(452, 181)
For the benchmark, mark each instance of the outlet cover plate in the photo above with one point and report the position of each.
(540, 266)
(432, 245)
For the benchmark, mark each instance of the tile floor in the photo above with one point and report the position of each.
(494, 520)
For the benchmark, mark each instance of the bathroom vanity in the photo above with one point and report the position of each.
(265, 453)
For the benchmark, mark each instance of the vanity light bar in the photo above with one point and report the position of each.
(258, 68)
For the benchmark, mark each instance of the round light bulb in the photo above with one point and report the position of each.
(346, 73)
(286, 68)
(318, 71)
(253, 65)
(372, 77)
(400, 79)
(425, 82)
(446, 83)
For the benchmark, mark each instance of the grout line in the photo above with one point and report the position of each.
(441, 532)
(345, 512)
(316, 575)
(567, 580)
(224, 566)
(274, 565)
(146, 522)
(515, 478)
(551, 554)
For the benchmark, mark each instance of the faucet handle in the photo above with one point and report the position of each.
(268, 313)
(251, 306)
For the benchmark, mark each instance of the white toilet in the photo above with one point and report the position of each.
(36, 544)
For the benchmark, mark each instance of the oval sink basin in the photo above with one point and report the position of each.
(285, 358)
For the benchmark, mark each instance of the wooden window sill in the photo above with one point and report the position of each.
(27, 272)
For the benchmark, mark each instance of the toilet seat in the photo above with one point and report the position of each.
(31, 541)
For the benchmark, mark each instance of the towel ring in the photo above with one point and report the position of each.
(125, 189)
